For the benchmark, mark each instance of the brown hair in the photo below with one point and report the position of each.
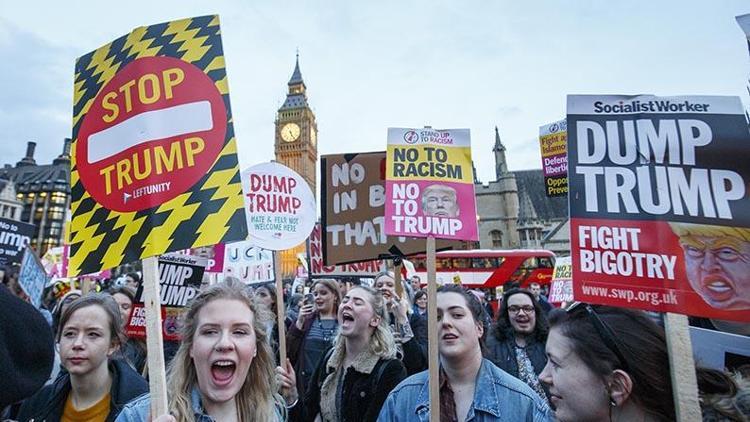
(640, 341)
(503, 328)
(476, 308)
(271, 289)
(123, 290)
(104, 301)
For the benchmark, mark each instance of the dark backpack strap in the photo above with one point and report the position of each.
(378, 372)
(324, 362)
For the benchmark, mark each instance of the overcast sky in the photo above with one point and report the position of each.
(373, 65)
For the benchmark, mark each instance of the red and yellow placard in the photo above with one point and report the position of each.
(154, 166)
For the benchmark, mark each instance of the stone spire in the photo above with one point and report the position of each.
(296, 75)
(501, 165)
(296, 97)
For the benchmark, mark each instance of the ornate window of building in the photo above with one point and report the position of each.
(496, 236)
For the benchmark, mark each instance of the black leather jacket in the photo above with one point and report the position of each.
(48, 403)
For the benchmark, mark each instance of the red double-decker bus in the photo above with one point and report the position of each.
(485, 268)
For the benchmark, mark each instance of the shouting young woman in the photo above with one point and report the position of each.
(223, 369)
(351, 383)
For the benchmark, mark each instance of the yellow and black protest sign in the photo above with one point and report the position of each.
(154, 162)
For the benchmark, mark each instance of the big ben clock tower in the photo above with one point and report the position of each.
(296, 131)
(296, 146)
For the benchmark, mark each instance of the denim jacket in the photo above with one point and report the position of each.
(497, 397)
(138, 410)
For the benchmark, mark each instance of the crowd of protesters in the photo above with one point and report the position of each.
(356, 352)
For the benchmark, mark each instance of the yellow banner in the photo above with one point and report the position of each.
(553, 144)
(429, 162)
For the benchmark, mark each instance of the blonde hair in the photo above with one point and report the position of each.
(257, 399)
(381, 341)
(333, 286)
(688, 229)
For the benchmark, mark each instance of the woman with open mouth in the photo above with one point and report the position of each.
(313, 332)
(224, 367)
(352, 381)
(96, 385)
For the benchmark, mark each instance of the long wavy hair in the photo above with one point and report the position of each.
(257, 399)
(381, 341)
(503, 330)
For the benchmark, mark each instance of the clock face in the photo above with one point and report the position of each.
(290, 132)
(313, 137)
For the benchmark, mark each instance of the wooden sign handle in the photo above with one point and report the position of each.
(399, 291)
(432, 333)
(398, 282)
(280, 317)
(157, 377)
(682, 368)
(86, 287)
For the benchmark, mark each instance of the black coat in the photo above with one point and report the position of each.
(362, 394)
(49, 402)
(502, 353)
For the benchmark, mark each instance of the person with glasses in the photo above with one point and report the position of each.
(607, 364)
(516, 341)
(471, 387)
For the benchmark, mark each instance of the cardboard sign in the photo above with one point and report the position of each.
(660, 213)
(14, 237)
(180, 279)
(279, 205)
(32, 278)
(553, 141)
(248, 262)
(429, 185)
(353, 207)
(355, 269)
(154, 164)
(54, 262)
(561, 289)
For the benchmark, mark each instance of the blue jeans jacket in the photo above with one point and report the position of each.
(138, 410)
(497, 397)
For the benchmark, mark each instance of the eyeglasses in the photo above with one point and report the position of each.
(527, 309)
(605, 331)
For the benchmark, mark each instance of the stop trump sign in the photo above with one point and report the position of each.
(150, 134)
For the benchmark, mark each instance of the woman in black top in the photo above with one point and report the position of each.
(313, 332)
(353, 380)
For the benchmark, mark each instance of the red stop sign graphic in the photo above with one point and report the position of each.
(151, 132)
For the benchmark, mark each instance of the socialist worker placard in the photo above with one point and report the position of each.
(660, 213)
